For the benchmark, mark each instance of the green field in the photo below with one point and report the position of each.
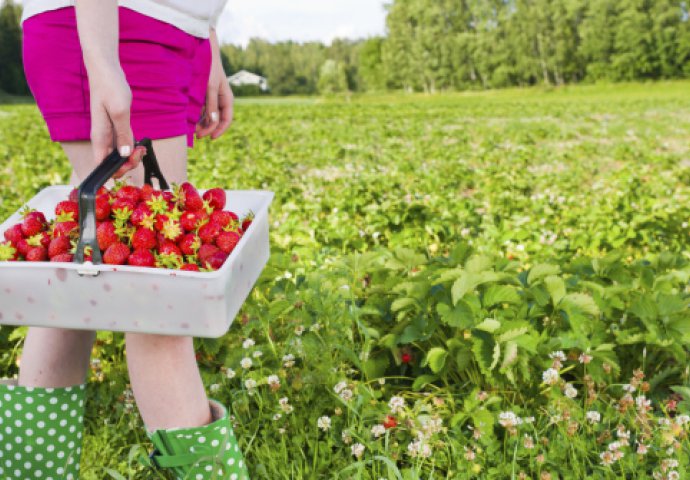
(474, 234)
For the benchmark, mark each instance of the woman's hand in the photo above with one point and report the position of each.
(111, 97)
(217, 114)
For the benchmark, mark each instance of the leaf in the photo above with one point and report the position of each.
(496, 356)
(579, 302)
(510, 355)
(482, 348)
(402, 303)
(556, 288)
(459, 316)
(644, 308)
(489, 325)
(468, 281)
(436, 359)
(500, 294)
(462, 360)
(512, 334)
(542, 270)
(478, 263)
(422, 381)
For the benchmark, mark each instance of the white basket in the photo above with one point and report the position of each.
(134, 299)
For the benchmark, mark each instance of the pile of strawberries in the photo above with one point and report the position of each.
(178, 229)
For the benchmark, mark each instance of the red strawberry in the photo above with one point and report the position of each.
(103, 191)
(63, 257)
(144, 238)
(141, 216)
(129, 192)
(44, 238)
(23, 247)
(209, 232)
(160, 222)
(215, 198)
(103, 207)
(14, 234)
(59, 246)
(74, 195)
(116, 254)
(189, 267)
(169, 248)
(37, 254)
(146, 192)
(106, 236)
(247, 220)
(190, 221)
(406, 357)
(34, 222)
(227, 241)
(64, 229)
(8, 252)
(390, 422)
(215, 261)
(123, 204)
(67, 210)
(206, 250)
(172, 230)
(189, 244)
(223, 218)
(189, 198)
(142, 258)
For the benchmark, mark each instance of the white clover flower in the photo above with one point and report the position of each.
(418, 448)
(346, 395)
(643, 404)
(509, 419)
(396, 404)
(528, 442)
(551, 376)
(339, 387)
(432, 426)
(570, 391)
(347, 438)
(282, 431)
(378, 430)
(584, 358)
(642, 449)
(315, 328)
(615, 446)
(288, 360)
(629, 388)
(299, 330)
(682, 419)
(230, 373)
(277, 417)
(214, 388)
(623, 433)
(606, 458)
(664, 421)
(257, 354)
(469, 454)
(593, 416)
(558, 355)
(248, 343)
(250, 383)
(246, 363)
(528, 420)
(673, 475)
(382, 381)
(324, 423)
(357, 450)
(273, 381)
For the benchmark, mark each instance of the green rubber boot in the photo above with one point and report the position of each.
(40, 431)
(210, 452)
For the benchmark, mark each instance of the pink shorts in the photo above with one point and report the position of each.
(166, 68)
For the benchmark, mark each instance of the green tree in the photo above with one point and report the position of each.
(371, 69)
(12, 78)
(332, 78)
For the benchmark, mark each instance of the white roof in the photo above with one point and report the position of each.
(243, 77)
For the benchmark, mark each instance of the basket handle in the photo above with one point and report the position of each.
(89, 188)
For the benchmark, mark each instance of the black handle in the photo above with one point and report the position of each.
(89, 188)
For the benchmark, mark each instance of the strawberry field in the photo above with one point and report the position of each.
(481, 285)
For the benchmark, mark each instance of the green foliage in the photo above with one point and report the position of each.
(332, 78)
(12, 78)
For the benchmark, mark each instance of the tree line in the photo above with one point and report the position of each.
(437, 45)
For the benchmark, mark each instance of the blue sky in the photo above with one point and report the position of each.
(301, 20)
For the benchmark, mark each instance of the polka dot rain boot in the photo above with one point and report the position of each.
(209, 452)
(40, 431)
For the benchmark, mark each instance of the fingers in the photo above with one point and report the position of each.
(101, 133)
(209, 121)
(132, 162)
(225, 104)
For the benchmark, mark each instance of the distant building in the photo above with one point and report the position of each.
(243, 78)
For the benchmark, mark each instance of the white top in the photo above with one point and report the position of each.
(194, 17)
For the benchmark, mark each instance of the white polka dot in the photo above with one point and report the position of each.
(50, 448)
(215, 443)
(241, 464)
(202, 439)
(7, 397)
(39, 456)
(27, 465)
(53, 416)
(223, 430)
(38, 473)
(41, 424)
(40, 440)
(8, 446)
(17, 472)
(18, 439)
(28, 448)
(51, 432)
(18, 456)
(49, 390)
(8, 413)
(53, 401)
(73, 413)
(63, 422)
(74, 397)
(41, 408)
(237, 449)
(81, 403)
(231, 461)
(29, 416)
(17, 406)
(78, 450)
(70, 445)
(199, 476)
(208, 468)
(29, 432)
(18, 423)
(68, 389)
(8, 429)
(60, 454)
(62, 439)
(60, 470)
(63, 407)
(8, 463)
(81, 419)
(29, 400)
(49, 464)
(72, 428)
(233, 476)
(30, 389)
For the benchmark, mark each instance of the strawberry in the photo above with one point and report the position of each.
(146, 192)
(390, 422)
(160, 222)
(206, 250)
(129, 192)
(208, 232)
(37, 254)
(144, 238)
(106, 236)
(74, 195)
(247, 220)
(172, 230)
(34, 222)
(142, 216)
(116, 254)
(142, 257)
(64, 229)
(122, 204)
(215, 261)
(190, 221)
(227, 241)
(23, 247)
(14, 234)
(189, 244)
(44, 239)
(67, 210)
(406, 357)
(63, 257)
(59, 246)
(215, 198)
(8, 252)
(223, 218)
(103, 208)
(189, 267)
(169, 248)
(189, 198)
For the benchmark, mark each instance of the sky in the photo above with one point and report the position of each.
(300, 20)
